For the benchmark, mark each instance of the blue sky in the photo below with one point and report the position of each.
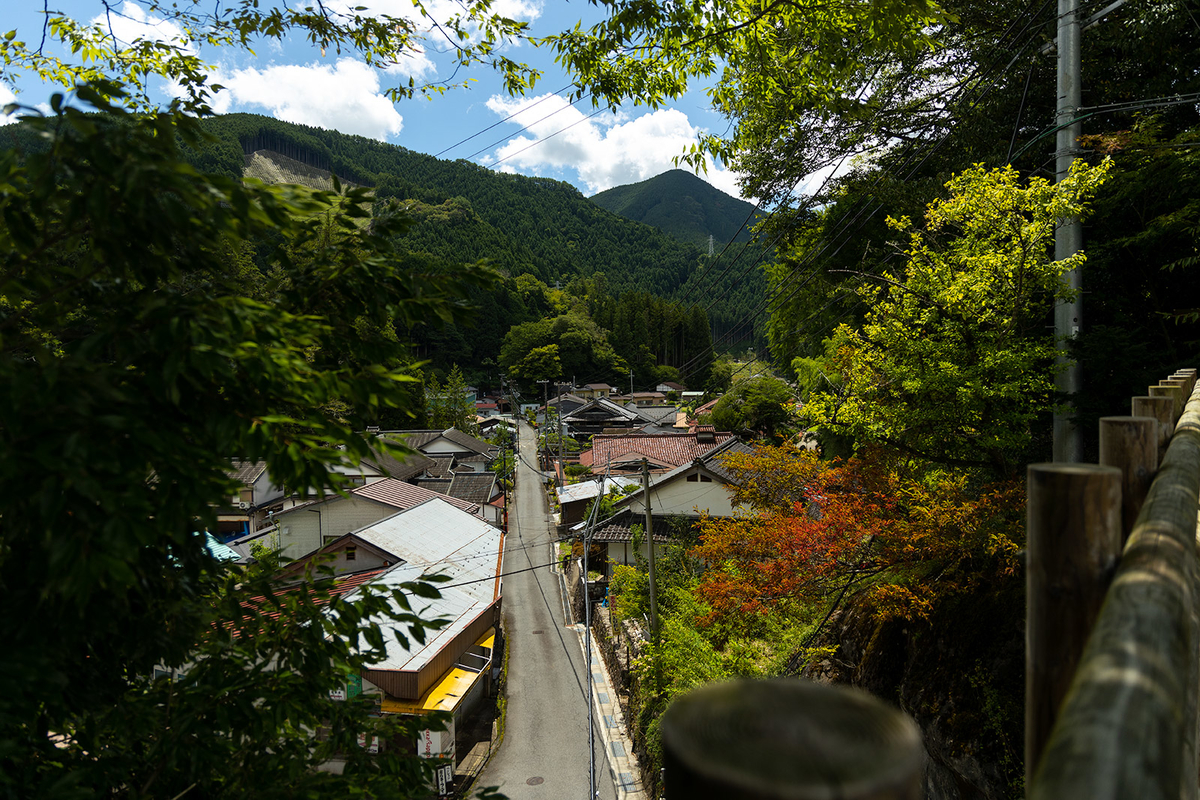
(294, 81)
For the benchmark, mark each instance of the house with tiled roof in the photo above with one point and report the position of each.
(305, 528)
(678, 499)
(467, 452)
(663, 451)
(592, 391)
(255, 495)
(599, 416)
(480, 488)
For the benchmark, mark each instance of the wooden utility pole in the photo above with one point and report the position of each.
(650, 540)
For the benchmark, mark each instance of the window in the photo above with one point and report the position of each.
(351, 553)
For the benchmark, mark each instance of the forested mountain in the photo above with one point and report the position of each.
(535, 226)
(684, 206)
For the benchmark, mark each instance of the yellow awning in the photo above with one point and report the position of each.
(446, 694)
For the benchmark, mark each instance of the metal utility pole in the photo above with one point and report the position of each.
(1068, 237)
(650, 539)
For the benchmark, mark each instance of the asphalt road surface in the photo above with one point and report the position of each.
(545, 751)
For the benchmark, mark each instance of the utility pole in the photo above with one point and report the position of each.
(650, 539)
(1068, 237)
(561, 428)
(631, 383)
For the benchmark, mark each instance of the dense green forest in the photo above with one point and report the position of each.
(682, 205)
(523, 226)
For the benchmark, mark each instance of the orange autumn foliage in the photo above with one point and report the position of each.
(820, 528)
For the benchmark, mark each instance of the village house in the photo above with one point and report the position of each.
(678, 499)
(300, 530)
(599, 416)
(454, 668)
(623, 453)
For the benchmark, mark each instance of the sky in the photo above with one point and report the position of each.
(540, 134)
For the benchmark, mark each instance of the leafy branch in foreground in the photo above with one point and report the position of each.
(142, 348)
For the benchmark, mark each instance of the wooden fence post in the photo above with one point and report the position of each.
(1173, 391)
(1162, 409)
(1131, 445)
(1190, 376)
(789, 738)
(1073, 544)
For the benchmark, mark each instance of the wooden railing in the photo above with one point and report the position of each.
(1113, 629)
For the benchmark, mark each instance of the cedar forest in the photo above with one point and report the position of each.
(906, 308)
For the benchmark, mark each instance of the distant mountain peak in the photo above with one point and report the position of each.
(682, 205)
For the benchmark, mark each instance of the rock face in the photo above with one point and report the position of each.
(959, 674)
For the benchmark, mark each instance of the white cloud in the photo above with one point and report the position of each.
(130, 23)
(607, 150)
(6, 97)
(345, 96)
(438, 14)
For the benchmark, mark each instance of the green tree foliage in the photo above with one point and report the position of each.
(582, 348)
(954, 362)
(789, 60)
(449, 404)
(138, 356)
(91, 51)
(761, 406)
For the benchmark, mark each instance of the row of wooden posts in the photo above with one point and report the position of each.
(1112, 657)
(1112, 624)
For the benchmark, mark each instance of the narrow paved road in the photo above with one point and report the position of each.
(545, 749)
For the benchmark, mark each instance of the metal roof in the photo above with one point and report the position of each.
(586, 490)
(437, 537)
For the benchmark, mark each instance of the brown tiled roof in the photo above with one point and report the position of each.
(675, 449)
(399, 494)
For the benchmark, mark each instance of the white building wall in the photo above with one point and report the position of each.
(301, 530)
(686, 497)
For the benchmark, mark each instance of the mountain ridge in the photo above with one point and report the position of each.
(683, 206)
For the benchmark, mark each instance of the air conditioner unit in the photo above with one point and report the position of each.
(243, 505)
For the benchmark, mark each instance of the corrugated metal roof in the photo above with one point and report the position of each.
(399, 494)
(436, 536)
(586, 490)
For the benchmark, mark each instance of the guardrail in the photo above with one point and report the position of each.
(1113, 612)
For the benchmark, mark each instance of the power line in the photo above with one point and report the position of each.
(521, 110)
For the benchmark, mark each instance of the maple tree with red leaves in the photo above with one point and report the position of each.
(823, 529)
